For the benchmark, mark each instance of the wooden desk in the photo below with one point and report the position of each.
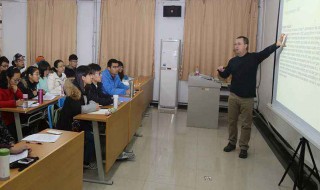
(60, 166)
(16, 111)
(136, 111)
(146, 85)
(117, 133)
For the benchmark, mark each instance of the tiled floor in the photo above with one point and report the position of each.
(171, 156)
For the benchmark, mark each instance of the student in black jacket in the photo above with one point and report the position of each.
(76, 103)
(94, 91)
(28, 85)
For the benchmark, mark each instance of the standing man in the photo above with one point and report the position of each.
(243, 69)
(70, 70)
(4, 63)
(111, 83)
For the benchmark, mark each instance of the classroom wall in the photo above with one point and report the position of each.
(268, 35)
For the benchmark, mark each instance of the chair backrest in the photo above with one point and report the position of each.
(61, 102)
(50, 115)
(56, 117)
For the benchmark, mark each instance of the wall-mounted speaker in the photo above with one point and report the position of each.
(171, 11)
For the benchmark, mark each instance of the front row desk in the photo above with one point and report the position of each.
(59, 166)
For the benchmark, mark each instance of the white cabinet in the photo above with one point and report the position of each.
(169, 74)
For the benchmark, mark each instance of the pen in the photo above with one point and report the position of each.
(33, 142)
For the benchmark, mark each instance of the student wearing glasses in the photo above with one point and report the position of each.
(71, 68)
(57, 78)
(18, 61)
(94, 91)
(10, 95)
(111, 83)
(28, 84)
(44, 69)
(4, 63)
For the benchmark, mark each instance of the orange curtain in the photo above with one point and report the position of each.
(127, 34)
(211, 27)
(52, 29)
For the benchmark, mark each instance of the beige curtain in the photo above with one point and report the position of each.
(127, 34)
(211, 27)
(52, 29)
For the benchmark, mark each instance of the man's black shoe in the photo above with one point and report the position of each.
(243, 154)
(229, 147)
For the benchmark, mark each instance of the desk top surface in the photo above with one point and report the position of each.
(101, 117)
(30, 110)
(42, 151)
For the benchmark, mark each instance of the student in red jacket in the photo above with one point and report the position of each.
(10, 95)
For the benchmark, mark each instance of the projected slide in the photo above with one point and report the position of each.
(298, 85)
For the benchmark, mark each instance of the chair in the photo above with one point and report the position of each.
(50, 115)
(61, 102)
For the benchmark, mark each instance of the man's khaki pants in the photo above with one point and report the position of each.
(242, 107)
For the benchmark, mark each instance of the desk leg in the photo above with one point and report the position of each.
(18, 126)
(101, 172)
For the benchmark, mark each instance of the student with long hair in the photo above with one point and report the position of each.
(121, 72)
(28, 84)
(57, 79)
(10, 95)
(44, 69)
(76, 103)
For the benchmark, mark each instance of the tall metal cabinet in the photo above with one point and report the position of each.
(169, 74)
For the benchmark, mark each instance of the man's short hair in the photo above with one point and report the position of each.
(3, 59)
(109, 64)
(73, 57)
(94, 67)
(245, 39)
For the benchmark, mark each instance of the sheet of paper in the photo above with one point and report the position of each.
(16, 157)
(47, 96)
(124, 99)
(101, 112)
(42, 138)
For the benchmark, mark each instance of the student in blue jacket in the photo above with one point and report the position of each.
(111, 83)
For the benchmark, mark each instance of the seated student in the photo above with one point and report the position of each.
(38, 60)
(94, 91)
(7, 141)
(10, 95)
(121, 72)
(44, 69)
(57, 78)
(71, 68)
(111, 83)
(4, 63)
(18, 61)
(28, 84)
(76, 103)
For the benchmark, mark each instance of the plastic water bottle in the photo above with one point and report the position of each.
(131, 86)
(25, 101)
(115, 101)
(4, 164)
(197, 72)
